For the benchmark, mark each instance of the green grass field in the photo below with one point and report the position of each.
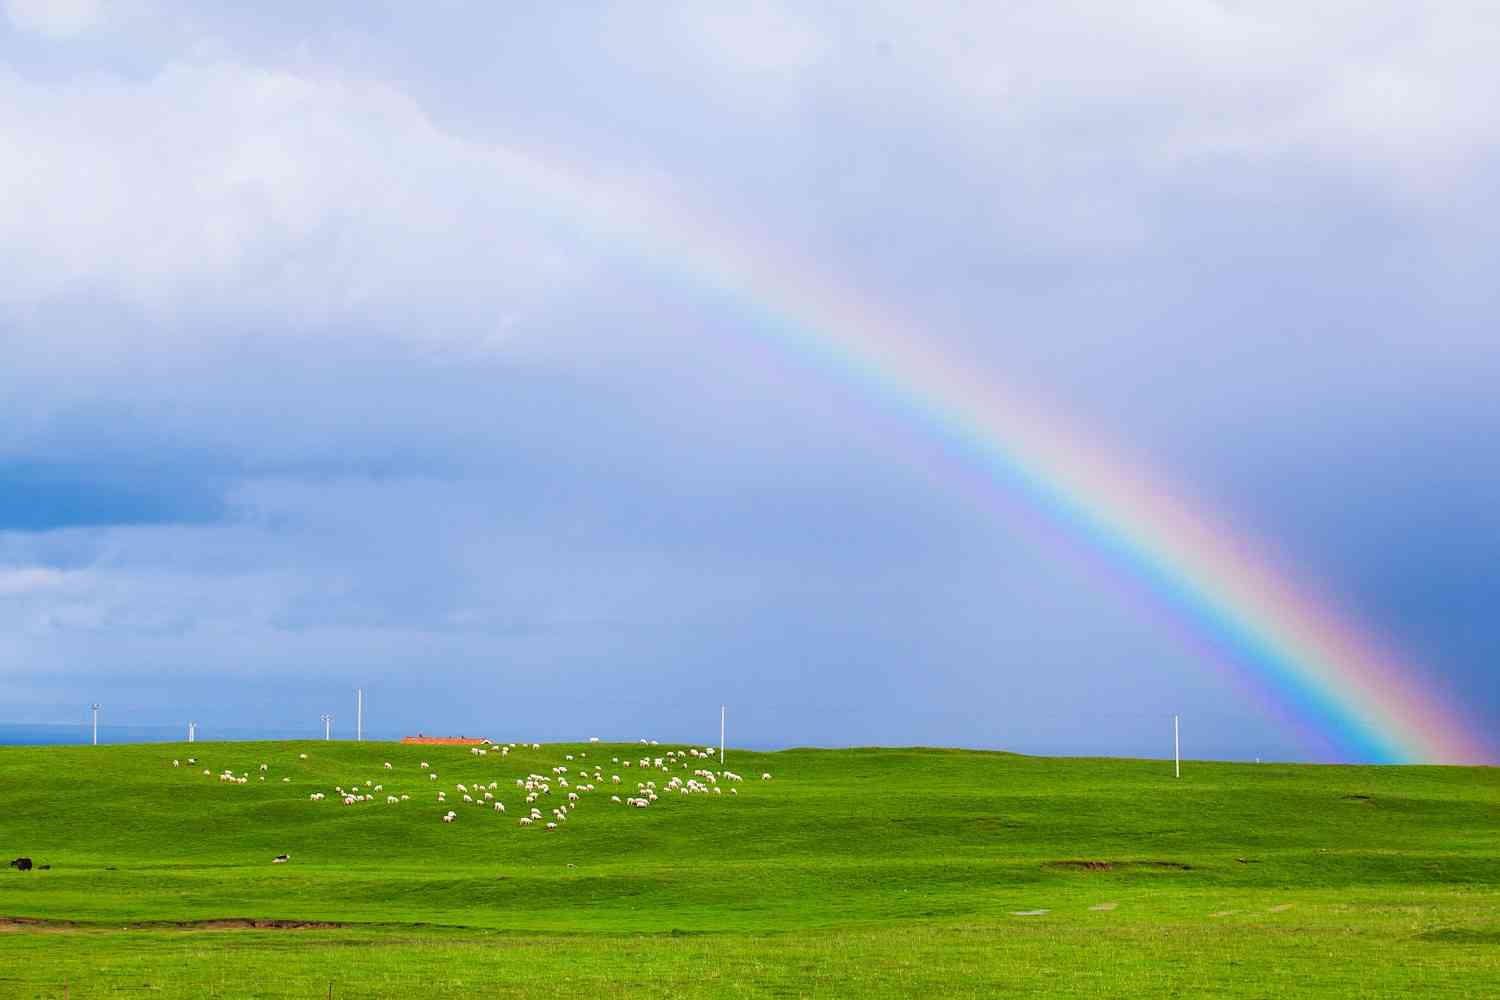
(852, 873)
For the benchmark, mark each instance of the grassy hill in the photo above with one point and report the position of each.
(852, 872)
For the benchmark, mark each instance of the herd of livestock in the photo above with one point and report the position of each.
(566, 783)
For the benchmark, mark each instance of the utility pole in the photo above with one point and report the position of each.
(359, 715)
(721, 735)
(327, 724)
(95, 709)
(1176, 751)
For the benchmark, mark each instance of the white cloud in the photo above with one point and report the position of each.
(214, 182)
(54, 18)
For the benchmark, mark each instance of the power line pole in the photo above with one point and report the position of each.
(95, 709)
(1176, 751)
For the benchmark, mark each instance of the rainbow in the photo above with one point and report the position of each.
(1319, 667)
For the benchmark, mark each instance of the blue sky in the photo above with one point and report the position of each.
(297, 393)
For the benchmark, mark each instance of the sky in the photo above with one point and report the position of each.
(341, 345)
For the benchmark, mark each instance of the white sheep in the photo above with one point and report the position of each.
(499, 807)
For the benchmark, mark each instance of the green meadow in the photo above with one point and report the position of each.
(851, 873)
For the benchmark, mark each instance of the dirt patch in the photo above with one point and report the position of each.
(1280, 908)
(1109, 866)
(35, 924)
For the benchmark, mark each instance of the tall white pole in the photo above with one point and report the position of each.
(1176, 750)
(359, 714)
(721, 734)
(192, 731)
(95, 708)
(327, 723)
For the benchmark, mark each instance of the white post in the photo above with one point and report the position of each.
(327, 722)
(192, 731)
(721, 734)
(1176, 750)
(95, 708)
(359, 715)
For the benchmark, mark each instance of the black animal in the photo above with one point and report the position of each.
(24, 864)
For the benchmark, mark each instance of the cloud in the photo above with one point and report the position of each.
(54, 18)
(298, 196)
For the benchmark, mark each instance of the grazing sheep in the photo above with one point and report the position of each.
(302, 756)
(176, 763)
(391, 800)
(552, 826)
(499, 807)
(765, 776)
(424, 765)
(281, 859)
(387, 765)
(449, 816)
(524, 821)
(432, 777)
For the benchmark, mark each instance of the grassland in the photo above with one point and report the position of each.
(866, 872)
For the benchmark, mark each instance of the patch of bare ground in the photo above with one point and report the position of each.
(1109, 866)
(13, 925)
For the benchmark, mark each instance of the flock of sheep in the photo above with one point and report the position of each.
(574, 778)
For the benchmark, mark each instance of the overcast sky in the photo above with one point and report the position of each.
(300, 389)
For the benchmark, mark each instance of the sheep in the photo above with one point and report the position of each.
(285, 781)
(387, 765)
(432, 777)
(462, 787)
(449, 816)
(265, 767)
(593, 739)
(524, 821)
(176, 763)
(192, 760)
(765, 776)
(424, 765)
(499, 807)
(281, 859)
(405, 797)
(734, 791)
(572, 796)
(536, 746)
(468, 799)
(391, 800)
(552, 826)
(615, 779)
